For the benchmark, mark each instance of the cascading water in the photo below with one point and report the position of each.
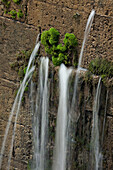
(59, 162)
(95, 148)
(103, 128)
(17, 103)
(40, 124)
(65, 118)
(73, 111)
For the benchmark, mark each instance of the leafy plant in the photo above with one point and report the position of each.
(20, 14)
(6, 4)
(17, 1)
(13, 13)
(58, 52)
(101, 67)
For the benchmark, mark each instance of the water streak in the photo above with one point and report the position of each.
(103, 128)
(44, 113)
(87, 30)
(16, 105)
(74, 110)
(61, 129)
(40, 127)
(95, 146)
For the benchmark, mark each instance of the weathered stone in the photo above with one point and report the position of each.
(14, 36)
(66, 16)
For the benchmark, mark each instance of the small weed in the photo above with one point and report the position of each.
(17, 1)
(20, 14)
(13, 13)
(101, 67)
(6, 3)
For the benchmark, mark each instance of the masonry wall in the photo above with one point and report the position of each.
(14, 37)
(66, 16)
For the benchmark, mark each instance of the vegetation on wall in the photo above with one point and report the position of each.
(20, 66)
(21, 62)
(60, 53)
(17, 1)
(20, 14)
(13, 13)
(101, 67)
(6, 4)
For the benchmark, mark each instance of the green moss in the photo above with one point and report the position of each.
(13, 13)
(88, 77)
(61, 48)
(6, 3)
(20, 65)
(26, 89)
(20, 14)
(54, 36)
(21, 62)
(45, 38)
(101, 67)
(59, 53)
(70, 41)
(17, 1)
(58, 60)
(21, 73)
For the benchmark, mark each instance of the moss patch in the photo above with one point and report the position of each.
(60, 53)
(13, 13)
(17, 1)
(21, 62)
(101, 67)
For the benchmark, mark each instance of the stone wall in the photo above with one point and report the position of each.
(69, 16)
(14, 37)
(66, 16)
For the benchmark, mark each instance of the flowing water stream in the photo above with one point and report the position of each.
(40, 118)
(73, 112)
(66, 115)
(17, 103)
(61, 129)
(95, 145)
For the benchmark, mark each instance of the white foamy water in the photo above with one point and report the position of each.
(95, 146)
(40, 124)
(73, 112)
(59, 162)
(16, 105)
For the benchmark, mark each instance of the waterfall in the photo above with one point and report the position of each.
(17, 103)
(87, 30)
(40, 117)
(73, 112)
(103, 128)
(61, 129)
(95, 148)
(67, 116)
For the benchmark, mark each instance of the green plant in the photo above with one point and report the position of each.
(17, 1)
(58, 52)
(21, 73)
(20, 14)
(6, 3)
(21, 62)
(13, 13)
(88, 77)
(70, 41)
(101, 67)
